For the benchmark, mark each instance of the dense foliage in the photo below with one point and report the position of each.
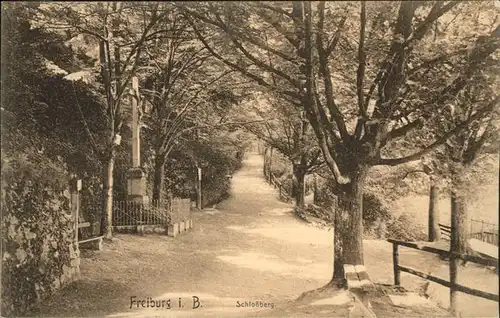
(55, 117)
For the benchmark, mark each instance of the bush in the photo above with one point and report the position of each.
(280, 166)
(218, 162)
(374, 211)
(215, 183)
(405, 228)
(309, 184)
(286, 181)
(377, 219)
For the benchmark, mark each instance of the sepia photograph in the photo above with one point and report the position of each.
(250, 158)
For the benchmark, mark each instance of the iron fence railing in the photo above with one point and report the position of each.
(131, 213)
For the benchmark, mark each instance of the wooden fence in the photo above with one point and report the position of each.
(454, 257)
(483, 231)
(283, 193)
(488, 237)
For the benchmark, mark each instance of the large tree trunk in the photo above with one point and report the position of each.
(158, 182)
(459, 233)
(107, 217)
(199, 194)
(299, 185)
(459, 227)
(433, 222)
(348, 227)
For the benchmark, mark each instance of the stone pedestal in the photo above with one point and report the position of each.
(136, 186)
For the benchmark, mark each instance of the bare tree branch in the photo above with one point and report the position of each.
(256, 78)
(436, 12)
(327, 78)
(336, 37)
(361, 61)
(277, 26)
(402, 131)
(275, 9)
(234, 38)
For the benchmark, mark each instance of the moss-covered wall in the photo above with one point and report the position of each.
(39, 254)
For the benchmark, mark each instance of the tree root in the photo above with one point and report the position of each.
(333, 286)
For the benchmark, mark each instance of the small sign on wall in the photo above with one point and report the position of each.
(118, 139)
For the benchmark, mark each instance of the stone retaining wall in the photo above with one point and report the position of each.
(38, 258)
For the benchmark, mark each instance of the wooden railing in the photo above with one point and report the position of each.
(283, 193)
(484, 231)
(488, 237)
(452, 284)
(445, 231)
(485, 236)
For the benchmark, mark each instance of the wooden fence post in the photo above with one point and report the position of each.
(482, 230)
(395, 263)
(199, 201)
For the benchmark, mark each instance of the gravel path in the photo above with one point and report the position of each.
(250, 249)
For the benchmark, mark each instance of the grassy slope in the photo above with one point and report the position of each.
(484, 206)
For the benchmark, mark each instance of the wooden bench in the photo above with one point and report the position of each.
(445, 231)
(359, 283)
(83, 224)
(94, 243)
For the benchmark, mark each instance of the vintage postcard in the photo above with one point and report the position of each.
(250, 158)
